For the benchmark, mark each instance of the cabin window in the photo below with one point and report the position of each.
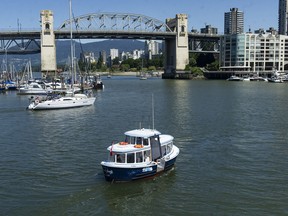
(111, 157)
(130, 158)
(163, 150)
(139, 140)
(120, 158)
(147, 155)
(132, 140)
(145, 142)
(139, 157)
(169, 148)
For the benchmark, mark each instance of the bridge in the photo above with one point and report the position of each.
(178, 41)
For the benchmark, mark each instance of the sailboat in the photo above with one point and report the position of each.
(64, 102)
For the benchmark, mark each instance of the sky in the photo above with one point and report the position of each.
(257, 13)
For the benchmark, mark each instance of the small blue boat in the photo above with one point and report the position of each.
(143, 153)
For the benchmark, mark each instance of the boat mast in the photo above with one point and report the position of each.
(152, 112)
(71, 42)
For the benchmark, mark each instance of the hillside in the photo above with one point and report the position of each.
(63, 49)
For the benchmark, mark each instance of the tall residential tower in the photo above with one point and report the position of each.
(283, 17)
(234, 22)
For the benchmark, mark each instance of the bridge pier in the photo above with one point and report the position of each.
(176, 51)
(48, 46)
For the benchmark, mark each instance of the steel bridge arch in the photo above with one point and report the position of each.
(115, 22)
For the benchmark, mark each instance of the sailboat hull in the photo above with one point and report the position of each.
(61, 103)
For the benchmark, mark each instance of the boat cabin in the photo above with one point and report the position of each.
(141, 146)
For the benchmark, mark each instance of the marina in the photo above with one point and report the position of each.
(231, 135)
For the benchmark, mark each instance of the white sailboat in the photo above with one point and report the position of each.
(76, 100)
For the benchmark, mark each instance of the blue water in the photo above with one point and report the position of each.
(232, 138)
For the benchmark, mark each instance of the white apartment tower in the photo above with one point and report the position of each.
(283, 17)
(234, 22)
(114, 53)
(151, 48)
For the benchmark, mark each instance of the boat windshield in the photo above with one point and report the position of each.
(137, 140)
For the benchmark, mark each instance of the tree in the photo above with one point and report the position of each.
(214, 66)
(116, 61)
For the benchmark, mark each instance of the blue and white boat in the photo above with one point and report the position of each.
(143, 153)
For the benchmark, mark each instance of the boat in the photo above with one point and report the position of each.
(32, 89)
(142, 153)
(143, 77)
(235, 78)
(275, 79)
(59, 102)
(97, 83)
(11, 85)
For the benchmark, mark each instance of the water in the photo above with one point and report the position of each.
(232, 139)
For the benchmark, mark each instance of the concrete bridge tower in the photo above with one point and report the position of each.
(177, 51)
(48, 47)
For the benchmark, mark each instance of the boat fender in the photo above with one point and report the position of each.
(138, 146)
(123, 143)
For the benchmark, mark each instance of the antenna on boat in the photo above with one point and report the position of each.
(152, 112)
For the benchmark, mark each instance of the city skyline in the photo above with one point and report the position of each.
(257, 14)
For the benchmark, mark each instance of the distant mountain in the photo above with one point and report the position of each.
(63, 49)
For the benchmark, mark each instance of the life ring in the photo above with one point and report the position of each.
(36, 101)
(123, 143)
(138, 146)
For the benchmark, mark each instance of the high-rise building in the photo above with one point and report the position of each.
(151, 48)
(209, 30)
(283, 17)
(234, 22)
(114, 53)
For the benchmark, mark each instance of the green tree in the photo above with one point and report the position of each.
(214, 66)
(115, 61)
(124, 67)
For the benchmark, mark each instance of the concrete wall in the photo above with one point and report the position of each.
(177, 51)
(48, 47)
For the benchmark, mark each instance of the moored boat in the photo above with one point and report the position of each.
(143, 153)
(32, 88)
(77, 100)
(235, 78)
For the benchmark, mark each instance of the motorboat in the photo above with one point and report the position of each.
(97, 83)
(32, 89)
(11, 85)
(143, 153)
(275, 79)
(76, 100)
(235, 78)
